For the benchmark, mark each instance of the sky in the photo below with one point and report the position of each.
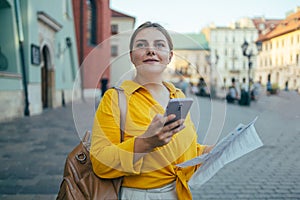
(190, 16)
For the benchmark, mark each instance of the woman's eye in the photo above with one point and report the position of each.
(140, 45)
(160, 45)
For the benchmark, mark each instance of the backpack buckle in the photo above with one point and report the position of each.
(81, 157)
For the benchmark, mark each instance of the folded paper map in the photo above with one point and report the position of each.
(242, 140)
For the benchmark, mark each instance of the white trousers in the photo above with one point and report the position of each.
(167, 192)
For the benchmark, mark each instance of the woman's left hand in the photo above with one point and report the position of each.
(208, 148)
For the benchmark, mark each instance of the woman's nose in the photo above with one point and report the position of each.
(150, 52)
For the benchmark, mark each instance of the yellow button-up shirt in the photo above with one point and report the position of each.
(111, 159)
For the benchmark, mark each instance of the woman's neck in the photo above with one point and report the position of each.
(149, 81)
(156, 88)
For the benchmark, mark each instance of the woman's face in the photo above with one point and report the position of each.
(151, 51)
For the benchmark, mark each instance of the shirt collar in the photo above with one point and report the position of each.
(130, 87)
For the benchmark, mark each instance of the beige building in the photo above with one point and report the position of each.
(191, 58)
(121, 28)
(279, 58)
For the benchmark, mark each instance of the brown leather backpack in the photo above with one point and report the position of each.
(79, 181)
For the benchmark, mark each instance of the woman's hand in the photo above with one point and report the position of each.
(208, 148)
(158, 134)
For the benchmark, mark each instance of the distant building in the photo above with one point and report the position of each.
(225, 43)
(264, 25)
(191, 53)
(38, 59)
(279, 58)
(122, 26)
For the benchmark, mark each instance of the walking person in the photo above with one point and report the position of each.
(147, 157)
(269, 86)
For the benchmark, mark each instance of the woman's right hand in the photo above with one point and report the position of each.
(158, 134)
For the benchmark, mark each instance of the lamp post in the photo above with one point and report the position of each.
(249, 55)
(212, 86)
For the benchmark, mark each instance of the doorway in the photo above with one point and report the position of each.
(47, 75)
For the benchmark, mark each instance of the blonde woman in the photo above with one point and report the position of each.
(148, 155)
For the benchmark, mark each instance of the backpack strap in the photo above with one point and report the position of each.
(86, 137)
(123, 109)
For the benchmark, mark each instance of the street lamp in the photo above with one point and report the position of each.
(249, 55)
(212, 86)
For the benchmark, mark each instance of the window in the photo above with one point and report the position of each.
(261, 26)
(114, 50)
(114, 29)
(91, 22)
(266, 62)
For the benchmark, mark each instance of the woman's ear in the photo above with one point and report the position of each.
(170, 56)
(130, 54)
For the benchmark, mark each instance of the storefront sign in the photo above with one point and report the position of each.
(35, 55)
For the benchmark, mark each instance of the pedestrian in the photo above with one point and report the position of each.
(104, 82)
(286, 86)
(244, 99)
(202, 88)
(255, 92)
(244, 86)
(232, 94)
(183, 85)
(269, 87)
(148, 156)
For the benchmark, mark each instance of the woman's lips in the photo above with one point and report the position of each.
(150, 61)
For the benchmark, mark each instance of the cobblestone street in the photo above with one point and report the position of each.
(33, 151)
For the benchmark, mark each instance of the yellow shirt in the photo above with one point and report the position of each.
(112, 159)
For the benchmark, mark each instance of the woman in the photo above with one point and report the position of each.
(148, 156)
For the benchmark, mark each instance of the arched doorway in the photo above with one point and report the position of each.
(47, 78)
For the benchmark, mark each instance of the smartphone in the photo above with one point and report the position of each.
(180, 107)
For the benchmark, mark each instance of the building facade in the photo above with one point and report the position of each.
(279, 58)
(122, 26)
(38, 64)
(190, 58)
(225, 44)
(92, 23)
